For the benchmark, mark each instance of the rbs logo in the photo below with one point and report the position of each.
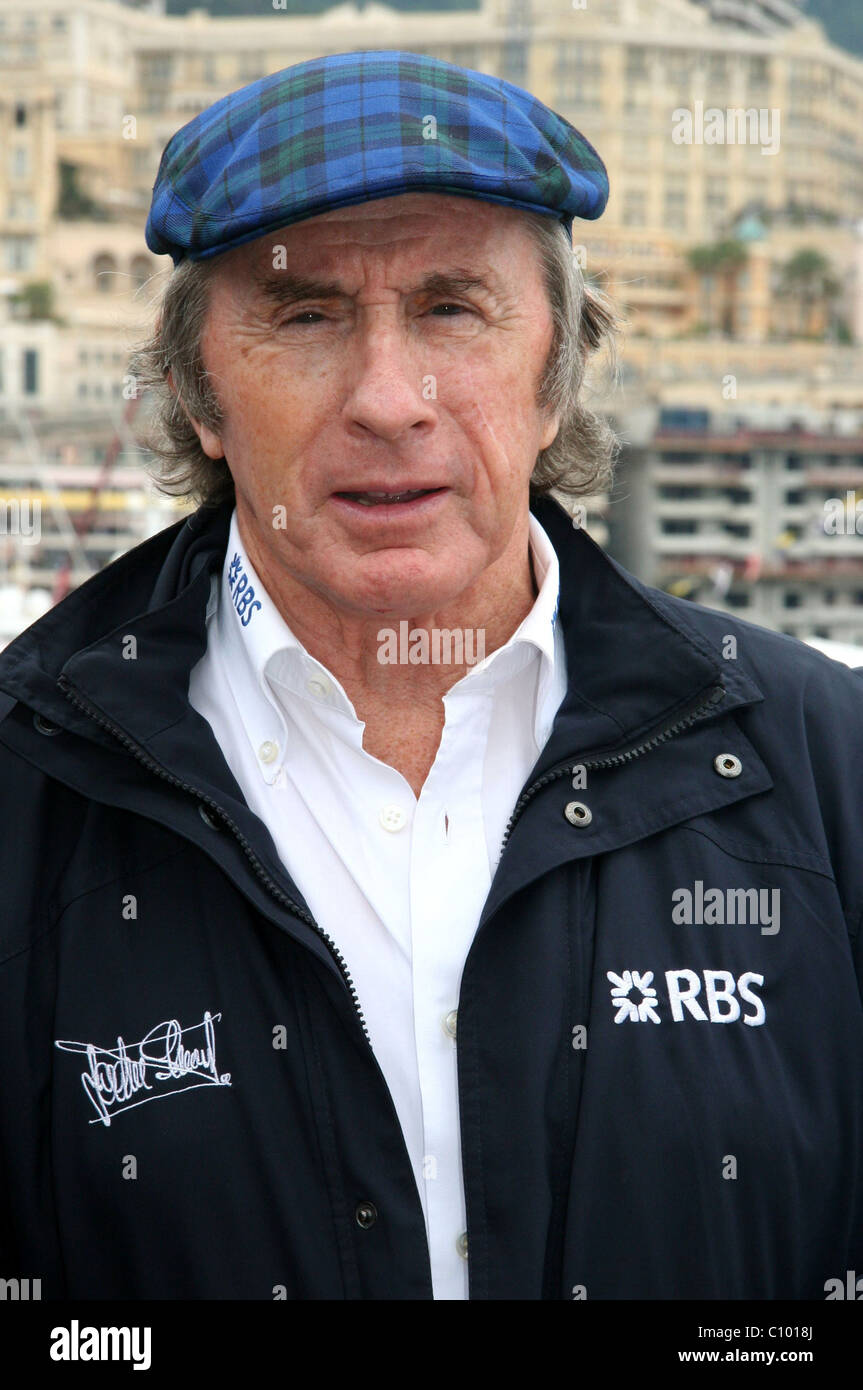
(715, 996)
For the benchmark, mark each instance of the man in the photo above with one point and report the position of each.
(527, 971)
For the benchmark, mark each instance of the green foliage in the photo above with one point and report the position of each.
(73, 204)
(720, 257)
(37, 298)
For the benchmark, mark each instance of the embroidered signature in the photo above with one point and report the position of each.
(116, 1075)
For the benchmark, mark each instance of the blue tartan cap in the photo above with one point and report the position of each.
(351, 127)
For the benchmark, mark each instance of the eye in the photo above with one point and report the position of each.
(460, 308)
(304, 316)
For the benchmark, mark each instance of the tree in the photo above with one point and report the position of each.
(807, 278)
(73, 204)
(37, 297)
(720, 262)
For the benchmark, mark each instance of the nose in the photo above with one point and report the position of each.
(389, 394)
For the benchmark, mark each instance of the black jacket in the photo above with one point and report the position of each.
(655, 1101)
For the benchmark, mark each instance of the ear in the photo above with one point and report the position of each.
(210, 443)
(549, 433)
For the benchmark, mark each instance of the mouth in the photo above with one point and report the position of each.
(389, 499)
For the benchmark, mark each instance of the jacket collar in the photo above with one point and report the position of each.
(635, 659)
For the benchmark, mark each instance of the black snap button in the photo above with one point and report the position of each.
(45, 726)
(207, 818)
(367, 1215)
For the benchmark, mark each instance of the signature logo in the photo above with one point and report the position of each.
(162, 1063)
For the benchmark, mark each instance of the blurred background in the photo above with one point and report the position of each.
(732, 245)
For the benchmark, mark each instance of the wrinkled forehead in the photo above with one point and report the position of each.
(427, 229)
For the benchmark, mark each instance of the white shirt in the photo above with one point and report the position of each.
(398, 882)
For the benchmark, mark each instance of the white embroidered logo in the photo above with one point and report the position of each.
(636, 1010)
(116, 1075)
(723, 995)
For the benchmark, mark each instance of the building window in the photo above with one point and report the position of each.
(514, 61)
(791, 600)
(19, 251)
(675, 205)
(678, 67)
(141, 268)
(465, 55)
(21, 207)
(716, 201)
(20, 162)
(634, 207)
(636, 64)
(104, 272)
(759, 72)
(157, 67)
(677, 492)
(20, 114)
(30, 372)
(718, 67)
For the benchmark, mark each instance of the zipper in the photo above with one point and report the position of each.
(272, 887)
(703, 706)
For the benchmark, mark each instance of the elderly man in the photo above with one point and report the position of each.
(512, 907)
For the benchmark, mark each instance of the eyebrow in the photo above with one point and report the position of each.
(282, 288)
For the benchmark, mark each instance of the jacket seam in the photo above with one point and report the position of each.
(480, 1168)
(857, 917)
(60, 912)
(321, 1110)
(796, 859)
(649, 823)
(853, 915)
(552, 1282)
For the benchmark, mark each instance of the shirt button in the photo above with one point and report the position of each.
(449, 1022)
(461, 1245)
(318, 686)
(392, 817)
(268, 751)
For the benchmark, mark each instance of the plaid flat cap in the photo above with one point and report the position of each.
(350, 127)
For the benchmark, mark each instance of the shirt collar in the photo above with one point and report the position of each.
(265, 661)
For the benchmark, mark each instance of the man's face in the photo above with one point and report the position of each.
(409, 364)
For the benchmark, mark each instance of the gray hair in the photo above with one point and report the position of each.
(579, 462)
